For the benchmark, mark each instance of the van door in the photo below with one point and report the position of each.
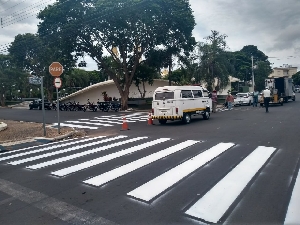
(164, 103)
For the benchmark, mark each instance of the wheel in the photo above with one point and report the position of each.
(40, 108)
(30, 108)
(162, 121)
(186, 118)
(206, 115)
(249, 103)
(261, 104)
(281, 103)
(294, 98)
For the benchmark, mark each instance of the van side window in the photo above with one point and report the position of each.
(205, 93)
(186, 94)
(197, 93)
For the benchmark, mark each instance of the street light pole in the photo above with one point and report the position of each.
(253, 84)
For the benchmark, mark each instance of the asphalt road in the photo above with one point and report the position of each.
(251, 181)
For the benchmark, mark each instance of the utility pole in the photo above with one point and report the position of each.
(253, 84)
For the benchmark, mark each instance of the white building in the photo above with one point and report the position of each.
(285, 71)
(94, 92)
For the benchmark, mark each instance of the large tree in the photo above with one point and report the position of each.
(124, 29)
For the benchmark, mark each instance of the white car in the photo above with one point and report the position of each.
(243, 99)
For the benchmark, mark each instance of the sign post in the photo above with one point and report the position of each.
(56, 69)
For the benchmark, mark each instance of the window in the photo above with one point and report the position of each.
(164, 95)
(205, 93)
(186, 94)
(197, 93)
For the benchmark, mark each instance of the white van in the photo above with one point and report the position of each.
(180, 103)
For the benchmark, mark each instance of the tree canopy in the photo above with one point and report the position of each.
(125, 29)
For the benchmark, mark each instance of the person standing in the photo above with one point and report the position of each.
(266, 94)
(255, 98)
(229, 100)
(214, 99)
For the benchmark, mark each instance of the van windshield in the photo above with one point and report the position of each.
(164, 95)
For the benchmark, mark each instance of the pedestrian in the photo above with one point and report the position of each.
(214, 98)
(266, 94)
(229, 100)
(255, 98)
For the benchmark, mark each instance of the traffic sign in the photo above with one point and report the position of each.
(56, 69)
(57, 82)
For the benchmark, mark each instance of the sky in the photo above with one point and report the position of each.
(271, 25)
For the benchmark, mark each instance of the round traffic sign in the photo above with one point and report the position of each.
(57, 82)
(56, 69)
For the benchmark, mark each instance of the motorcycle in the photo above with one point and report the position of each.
(91, 106)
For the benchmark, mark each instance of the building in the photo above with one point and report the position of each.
(95, 91)
(284, 71)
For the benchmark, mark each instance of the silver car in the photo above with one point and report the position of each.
(243, 99)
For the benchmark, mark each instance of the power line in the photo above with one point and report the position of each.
(13, 6)
(4, 2)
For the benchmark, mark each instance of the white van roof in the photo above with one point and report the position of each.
(173, 88)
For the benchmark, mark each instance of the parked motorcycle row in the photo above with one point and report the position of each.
(103, 106)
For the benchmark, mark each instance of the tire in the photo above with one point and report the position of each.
(261, 104)
(206, 116)
(30, 108)
(162, 121)
(294, 99)
(281, 103)
(186, 118)
(40, 108)
(249, 103)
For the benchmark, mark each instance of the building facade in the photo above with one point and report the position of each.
(285, 71)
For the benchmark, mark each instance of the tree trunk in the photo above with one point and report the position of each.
(2, 99)
(170, 70)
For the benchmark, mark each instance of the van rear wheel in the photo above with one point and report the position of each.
(162, 121)
(186, 118)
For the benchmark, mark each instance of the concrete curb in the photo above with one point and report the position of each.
(3, 126)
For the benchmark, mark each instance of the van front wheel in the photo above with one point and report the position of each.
(186, 118)
(206, 115)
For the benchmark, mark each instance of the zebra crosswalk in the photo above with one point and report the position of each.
(104, 121)
(69, 157)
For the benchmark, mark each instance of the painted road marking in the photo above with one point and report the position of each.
(293, 213)
(77, 155)
(63, 151)
(88, 164)
(76, 126)
(48, 148)
(122, 170)
(212, 206)
(153, 188)
(88, 123)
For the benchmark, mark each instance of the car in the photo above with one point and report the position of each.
(243, 99)
(37, 104)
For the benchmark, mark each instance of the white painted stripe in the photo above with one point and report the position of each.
(293, 213)
(212, 206)
(105, 121)
(84, 119)
(97, 161)
(151, 189)
(88, 123)
(49, 148)
(77, 155)
(58, 209)
(63, 151)
(120, 171)
(37, 146)
(74, 125)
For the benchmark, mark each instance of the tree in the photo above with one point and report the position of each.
(33, 54)
(125, 29)
(261, 72)
(296, 78)
(215, 63)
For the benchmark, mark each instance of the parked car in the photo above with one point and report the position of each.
(243, 99)
(37, 104)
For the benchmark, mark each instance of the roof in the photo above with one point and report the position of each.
(101, 84)
(186, 87)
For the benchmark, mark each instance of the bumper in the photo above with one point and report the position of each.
(167, 117)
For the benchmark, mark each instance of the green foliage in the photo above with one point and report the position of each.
(296, 78)
(132, 27)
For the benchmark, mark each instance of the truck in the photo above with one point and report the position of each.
(180, 103)
(282, 90)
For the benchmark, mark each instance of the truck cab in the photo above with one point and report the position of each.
(180, 103)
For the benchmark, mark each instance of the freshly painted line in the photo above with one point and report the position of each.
(212, 206)
(94, 162)
(37, 146)
(74, 125)
(49, 148)
(84, 119)
(77, 155)
(293, 213)
(151, 189)
(63, 151)
(104, 121)
(88, 123)
(59, 209)
(122, 170)
(108, 116)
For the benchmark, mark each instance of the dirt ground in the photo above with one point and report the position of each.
(18, 131)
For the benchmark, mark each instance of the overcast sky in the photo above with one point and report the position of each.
(271, 25)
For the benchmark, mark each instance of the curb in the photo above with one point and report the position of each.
(3, 126)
